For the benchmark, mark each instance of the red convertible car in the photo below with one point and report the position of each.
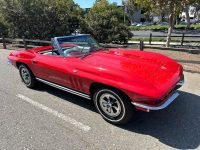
(118, 81)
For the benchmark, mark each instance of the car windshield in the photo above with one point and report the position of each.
(77, 45)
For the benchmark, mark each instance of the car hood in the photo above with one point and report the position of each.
(137, 67)
(143, 64)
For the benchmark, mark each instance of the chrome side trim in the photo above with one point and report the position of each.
(167, 103)
(181, 82)
(64, 88)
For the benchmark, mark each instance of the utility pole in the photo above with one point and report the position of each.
(124, 15)
(123, 3)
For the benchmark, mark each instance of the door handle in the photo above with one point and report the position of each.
(34, 61)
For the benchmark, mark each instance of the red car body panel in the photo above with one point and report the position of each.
(145, 77)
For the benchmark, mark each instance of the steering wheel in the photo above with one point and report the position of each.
(67, 52)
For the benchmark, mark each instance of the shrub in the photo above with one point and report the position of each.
(40, 19)
(105, 23)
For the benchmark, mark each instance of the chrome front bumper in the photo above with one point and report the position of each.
(165, 104)
(181, 82)
(9, 62)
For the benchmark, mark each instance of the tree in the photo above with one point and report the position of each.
(131, 8)
(197, 9)
(187, 16)
(3, 29)
(105, 22)
(40, 19)
(174, 7)
(160, 9)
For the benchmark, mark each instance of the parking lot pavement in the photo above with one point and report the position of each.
(47, 118)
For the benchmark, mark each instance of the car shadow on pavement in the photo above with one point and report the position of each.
(85, 103)
(177, 126)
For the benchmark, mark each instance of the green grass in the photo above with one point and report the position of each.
(158, 27)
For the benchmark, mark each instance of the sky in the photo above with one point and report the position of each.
(89, 3)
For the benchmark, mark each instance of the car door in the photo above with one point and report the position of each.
(60, 70)
(52, 69)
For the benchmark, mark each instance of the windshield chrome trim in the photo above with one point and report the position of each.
(72, 36)
(58, 46)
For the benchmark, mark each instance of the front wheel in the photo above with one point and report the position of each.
(113, 106)
(27, 76)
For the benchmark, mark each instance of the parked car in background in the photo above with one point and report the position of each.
(147, 24)
(134, 24)
(139, 25)
(163, 23)
(183, 23)
(142, 24)
(118, 81)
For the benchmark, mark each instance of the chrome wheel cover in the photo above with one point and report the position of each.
(110, 105)
(25, 74)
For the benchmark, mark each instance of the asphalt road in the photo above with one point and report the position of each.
(164, 32)
(47, 118)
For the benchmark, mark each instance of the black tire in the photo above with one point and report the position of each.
(27, 76)
(120, 111)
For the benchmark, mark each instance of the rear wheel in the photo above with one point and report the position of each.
(27, 76)
(113, 106)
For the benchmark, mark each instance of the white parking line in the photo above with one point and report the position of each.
(55, 113)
